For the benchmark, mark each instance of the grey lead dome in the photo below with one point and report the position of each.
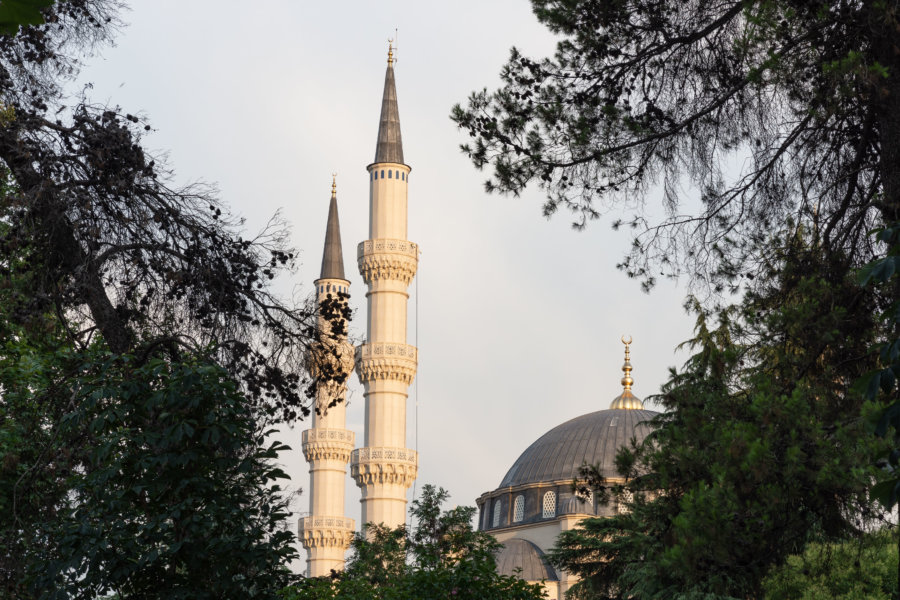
(592, 439)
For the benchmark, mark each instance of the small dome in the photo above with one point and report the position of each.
(522, 554)
(572, 505)
(592, 439)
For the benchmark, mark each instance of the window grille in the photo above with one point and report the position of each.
(519, 509)
(549, 505)
(497, 506)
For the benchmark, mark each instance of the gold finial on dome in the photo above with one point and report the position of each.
(334, 185)
(627, 400)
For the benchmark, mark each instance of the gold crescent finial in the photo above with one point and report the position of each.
(627, 381)
(627, 400)
(334, 185)
(390, 51)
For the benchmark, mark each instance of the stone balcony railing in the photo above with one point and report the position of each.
(321, 443)
(387, 260)
(387, 360)
(324, 434)
(391, 246)
(387, 350)
(322, 532)
(325, 522)
(384, 454)
(384, 465)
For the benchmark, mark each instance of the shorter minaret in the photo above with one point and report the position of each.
(627, 400)
(326, 533)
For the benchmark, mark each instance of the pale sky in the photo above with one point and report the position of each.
(517, 318)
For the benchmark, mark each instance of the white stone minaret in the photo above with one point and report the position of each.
(385, 468)
(326, 533)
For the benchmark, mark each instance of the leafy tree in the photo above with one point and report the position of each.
(443, 557)
(142, 350)
(762, 448)
(852, 570)
(804, 94)
(175, 496)
(113, 250)
(15, 13)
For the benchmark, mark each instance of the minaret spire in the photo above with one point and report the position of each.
(389, 148)
(627, 400)
(332, 256)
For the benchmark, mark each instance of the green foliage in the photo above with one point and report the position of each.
(736, 115)
(763, 447)
(15, 13)
(881, 382)
(443, 557)
(160, 483)
(859, 569)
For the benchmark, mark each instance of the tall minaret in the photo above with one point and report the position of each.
(385, 468)
(326, 533)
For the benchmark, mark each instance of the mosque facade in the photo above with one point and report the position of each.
(534, 502)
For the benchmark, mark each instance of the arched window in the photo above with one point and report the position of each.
(590, 499)
(403, 176)
(390, 173)
(497, 507)
(627, 496)
(382, 173)
(549, 505)
(519, 509)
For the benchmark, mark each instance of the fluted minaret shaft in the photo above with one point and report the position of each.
(385, 468)
(326, 532)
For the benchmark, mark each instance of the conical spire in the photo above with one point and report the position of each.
(333, 257)
(627, 400)
(390, 144)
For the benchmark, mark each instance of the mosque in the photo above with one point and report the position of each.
(534, 501)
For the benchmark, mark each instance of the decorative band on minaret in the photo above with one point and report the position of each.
(384, 468)
(326, 533)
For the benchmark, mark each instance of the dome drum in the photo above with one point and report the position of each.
(565, 504)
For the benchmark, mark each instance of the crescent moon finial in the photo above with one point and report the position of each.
(626, 342)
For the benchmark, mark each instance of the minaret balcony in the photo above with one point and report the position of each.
(384, 465)
(318, 531)
(387, 360)
(328, 444)
(387, 259)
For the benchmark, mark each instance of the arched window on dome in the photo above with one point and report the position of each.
(497, 506)
(549, 505)
(519, 509)
(589, 500)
